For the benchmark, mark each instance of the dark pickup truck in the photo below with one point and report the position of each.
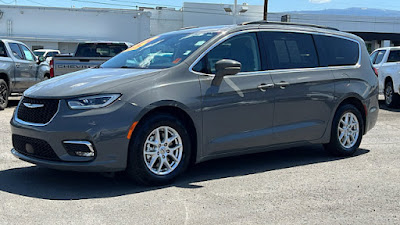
(87, 55)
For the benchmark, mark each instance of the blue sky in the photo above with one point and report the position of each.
(274, 5)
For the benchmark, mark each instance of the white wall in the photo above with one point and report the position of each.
(165, 20)
(204, 14)
(46, 25)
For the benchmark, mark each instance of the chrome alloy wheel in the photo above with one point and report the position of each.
(388, 94)
(163, 150)
(348, 130)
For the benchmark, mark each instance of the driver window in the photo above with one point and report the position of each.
(242, 48)
(28, 54)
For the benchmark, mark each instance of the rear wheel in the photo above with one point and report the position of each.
(4, 93)
(347, 131)
(391, 98)
(159, 151)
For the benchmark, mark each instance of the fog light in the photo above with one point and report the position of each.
(79, 148)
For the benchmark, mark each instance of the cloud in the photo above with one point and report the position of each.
(319, 1)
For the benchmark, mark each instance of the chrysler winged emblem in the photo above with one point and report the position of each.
(33, 106)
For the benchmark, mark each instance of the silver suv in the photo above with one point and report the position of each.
(198, 94)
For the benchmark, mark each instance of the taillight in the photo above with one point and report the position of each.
(52, 68)
(375, 70)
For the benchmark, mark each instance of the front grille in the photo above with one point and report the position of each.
(34, 147)
(35, 114)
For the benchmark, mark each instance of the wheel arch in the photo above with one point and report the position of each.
(4, 76)
(387, 79)
(177, 110)
(356, 102)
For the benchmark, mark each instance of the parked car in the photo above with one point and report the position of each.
(386, 61)
(87, 55)
(19, 69)
(198, 94)
(48, 54)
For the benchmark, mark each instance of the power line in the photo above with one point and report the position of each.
(36, 2)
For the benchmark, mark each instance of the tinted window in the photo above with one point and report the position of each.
(99, 49)
(242, 48)
(334, 51)
(379, 56)
(16, 51)
(28, 54)
(38, 53)
(3, 51)
(394, 56)
(51, 54)
(289, 50)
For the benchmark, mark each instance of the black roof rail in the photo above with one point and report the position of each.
(261, 22)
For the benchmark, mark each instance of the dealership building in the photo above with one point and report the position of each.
(63, 28)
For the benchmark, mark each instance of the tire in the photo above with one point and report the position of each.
(4, 94)
(141, 167)
(338, 144)
(391, 98)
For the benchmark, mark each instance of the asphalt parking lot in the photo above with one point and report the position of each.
(294, 186)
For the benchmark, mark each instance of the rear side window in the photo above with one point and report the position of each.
(16, 51)
(3, 51)
(99, 49)
(334, 51)
(394, 56)
(290, 50)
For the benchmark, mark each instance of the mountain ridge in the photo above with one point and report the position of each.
(354, 11)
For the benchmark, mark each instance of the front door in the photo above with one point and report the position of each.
(238, 113)
(30, 61)
(25, 67)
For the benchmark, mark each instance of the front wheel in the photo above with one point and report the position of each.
(4, 93)
(159, 151)
(347, 131)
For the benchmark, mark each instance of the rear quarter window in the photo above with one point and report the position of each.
(336, 51)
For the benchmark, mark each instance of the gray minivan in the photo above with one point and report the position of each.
(198, 94)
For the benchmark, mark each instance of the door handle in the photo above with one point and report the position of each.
(282, 84)
(17, 65)
(263, 87)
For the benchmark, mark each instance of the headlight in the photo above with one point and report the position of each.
(93, 102)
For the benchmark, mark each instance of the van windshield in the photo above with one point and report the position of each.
(160, 52)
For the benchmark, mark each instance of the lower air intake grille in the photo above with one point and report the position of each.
(34, 147)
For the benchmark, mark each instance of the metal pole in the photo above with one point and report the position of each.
(234, 12)
(265, 10)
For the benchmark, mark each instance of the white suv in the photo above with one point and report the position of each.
(387, 62)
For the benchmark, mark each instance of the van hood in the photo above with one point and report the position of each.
(86, 82)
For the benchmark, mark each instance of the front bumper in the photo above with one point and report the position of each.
(105, 128)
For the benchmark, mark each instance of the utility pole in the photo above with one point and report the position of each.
(234, 12)
(265, 10)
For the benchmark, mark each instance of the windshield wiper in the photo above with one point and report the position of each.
(131, 67)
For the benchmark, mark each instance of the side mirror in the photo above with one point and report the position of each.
(41, 59)
(225, 67)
